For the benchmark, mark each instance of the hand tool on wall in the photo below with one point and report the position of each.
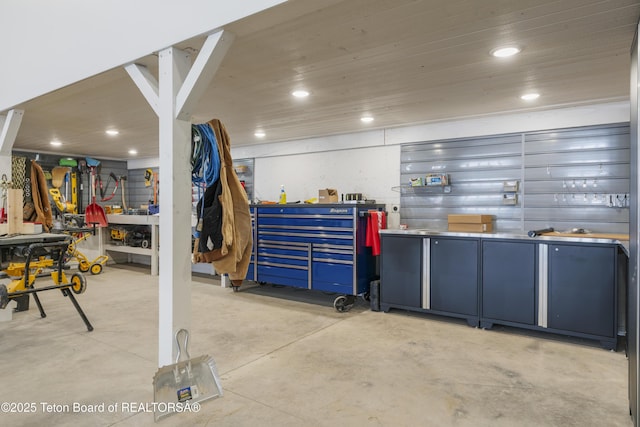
(4, 185)
(112, 176)
(74, 191)
(155, 188)
(94, 213)
(148, 175)
(82, 169)
(124, 198)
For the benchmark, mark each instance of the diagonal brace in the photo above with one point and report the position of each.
(147, 84)
(202, 72)
(9, 126)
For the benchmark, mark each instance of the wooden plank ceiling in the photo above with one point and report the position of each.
(401, 61)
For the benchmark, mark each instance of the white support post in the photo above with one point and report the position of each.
(9, 126)
(179, 88)
(175, 207)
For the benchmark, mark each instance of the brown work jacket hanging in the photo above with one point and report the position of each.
(40, 195)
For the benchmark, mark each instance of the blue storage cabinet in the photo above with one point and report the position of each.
(317, 247)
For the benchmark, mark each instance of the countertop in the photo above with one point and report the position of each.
(547, 237)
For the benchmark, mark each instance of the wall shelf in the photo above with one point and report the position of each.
(422, 189)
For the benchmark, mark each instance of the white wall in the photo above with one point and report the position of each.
(362, 170)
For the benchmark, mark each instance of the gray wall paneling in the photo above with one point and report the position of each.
(567, 178)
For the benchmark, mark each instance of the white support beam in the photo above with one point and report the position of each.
(175, 206)
(202, 72)
(173, 97)
(9, 126)
(147, 84)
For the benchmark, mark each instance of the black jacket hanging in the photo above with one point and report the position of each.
(211, 215)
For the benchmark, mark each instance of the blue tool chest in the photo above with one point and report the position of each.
(320, 247)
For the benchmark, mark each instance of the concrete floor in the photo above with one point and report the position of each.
(286, 358)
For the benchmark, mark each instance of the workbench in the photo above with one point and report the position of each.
(153, 221)
(32, 246)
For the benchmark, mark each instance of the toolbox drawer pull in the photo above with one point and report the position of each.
(284, 247)
(330, 246)
(332, 261)
(319, 235)
(275, 264)
(333, 251)
(272, 255)
(315, 216)
(306, 227)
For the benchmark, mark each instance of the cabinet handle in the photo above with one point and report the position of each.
(435, 243)
(557, 249)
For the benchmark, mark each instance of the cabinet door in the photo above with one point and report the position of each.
(582, 289)
(508, 281)
(400, 266)
(454, 275)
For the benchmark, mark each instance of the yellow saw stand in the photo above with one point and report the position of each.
(23, 274)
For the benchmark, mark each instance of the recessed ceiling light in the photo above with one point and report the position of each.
(366, 119)
(112, 132)
(300, 93)
(505, 52)
(530, 96)
(56, 143)
(260, 134)
(133, 151)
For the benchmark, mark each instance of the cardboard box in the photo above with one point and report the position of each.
(470, 219)
(328, 195)
(483, 227)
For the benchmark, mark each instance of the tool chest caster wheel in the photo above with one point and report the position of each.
(343, 303)
(79, 283)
